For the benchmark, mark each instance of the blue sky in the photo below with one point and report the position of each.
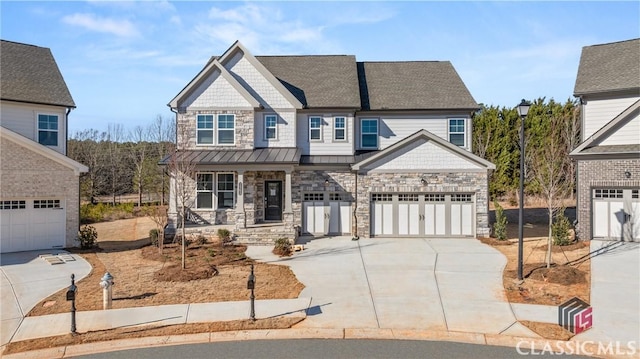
(124, 61)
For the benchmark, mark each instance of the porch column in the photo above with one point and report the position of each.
(287, 194)
(241, 219)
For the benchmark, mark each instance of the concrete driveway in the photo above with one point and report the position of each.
(427, 284)
(26, 279)
(615, 293)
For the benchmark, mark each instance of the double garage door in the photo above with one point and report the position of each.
(32, 224)
(326, 213)
(422, 215)
(616, 214)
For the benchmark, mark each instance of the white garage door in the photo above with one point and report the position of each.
(422, 215)
(326, 213)
(616, 214)
(32, 224)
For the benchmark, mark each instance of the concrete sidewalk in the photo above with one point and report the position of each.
(26, 278)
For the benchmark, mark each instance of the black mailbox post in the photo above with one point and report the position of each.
(251, 284)
(71, 296)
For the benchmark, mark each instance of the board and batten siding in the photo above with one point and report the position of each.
(23, 119)
(326, 145)
(285, 130)
(254, 82)
(629, 134)
(598, 113)
(215, 92)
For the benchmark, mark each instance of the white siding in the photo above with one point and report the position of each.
(598, 113)
(626, 135)
(395, 128)
(215, 91)
(23, 119)
(257, 85)
(327, 145)
(423, 154)
(286, 129)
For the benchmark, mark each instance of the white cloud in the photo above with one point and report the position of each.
(122, 28)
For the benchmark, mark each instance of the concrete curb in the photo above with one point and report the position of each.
(521, 345)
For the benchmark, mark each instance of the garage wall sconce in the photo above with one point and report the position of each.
(423, 181)
(627, 174)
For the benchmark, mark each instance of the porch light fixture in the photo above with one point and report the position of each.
(326, 182)
(523, 110)
(627, 174)
(423, 181)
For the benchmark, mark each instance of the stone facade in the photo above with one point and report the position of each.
(604, 173)
(244, 135)
(25, 174)
(473, 182)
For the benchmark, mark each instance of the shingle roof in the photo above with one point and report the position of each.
(317, 81)
(29, 73)
(609, 67)
(415, 85)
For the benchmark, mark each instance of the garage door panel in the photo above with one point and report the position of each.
(635, 221)
(440, 220)
(30, 228)
(429, 219)
(616, 219)
(601, 219)
(456, 228)
(387, 218)
(345, 217)
(467, 219)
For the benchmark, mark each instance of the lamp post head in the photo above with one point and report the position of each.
(523, 108)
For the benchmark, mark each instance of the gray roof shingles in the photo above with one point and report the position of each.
(609, 67)
(30, 74)
(412, 85)
(317, 81)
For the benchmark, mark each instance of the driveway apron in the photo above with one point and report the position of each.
(615, 293)
(428, 284)
(26, 279)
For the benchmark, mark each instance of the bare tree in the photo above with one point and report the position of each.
(158, 215)
(549, 169)
(183, 182)
(85, 147)
(139, 152)
(571, 137)
(162, 131)
(115, 160)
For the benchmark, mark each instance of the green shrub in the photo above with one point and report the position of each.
(153, 236)
(101, 212)
(561, 230)
(500, 226)
(282, 247)
(224, 235)
(87, 236)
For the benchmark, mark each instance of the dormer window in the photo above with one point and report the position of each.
(48, 130)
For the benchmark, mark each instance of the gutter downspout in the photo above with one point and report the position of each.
(355, 210)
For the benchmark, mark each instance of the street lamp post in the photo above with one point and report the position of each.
(523, 110)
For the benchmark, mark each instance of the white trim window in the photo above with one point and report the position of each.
(225, 190)
(226, 129)
(457, 133)
(369, 133)
(48, 129)
(204, 130)
(271, 127)
(315, 128)
(204, 190)
(340, 128)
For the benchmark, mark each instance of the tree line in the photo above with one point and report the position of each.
(124, 162)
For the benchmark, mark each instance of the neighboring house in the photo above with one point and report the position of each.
(608, 159)
(39, 185)
(325, 145)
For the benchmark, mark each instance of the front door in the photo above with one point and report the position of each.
(273, 201)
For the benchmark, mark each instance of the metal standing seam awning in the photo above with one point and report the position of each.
(258, 156)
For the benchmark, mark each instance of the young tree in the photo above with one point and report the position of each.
(549, 164)
(182, 170)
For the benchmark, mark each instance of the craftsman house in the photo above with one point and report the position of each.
(283, 146)
(39, 185)
(608, 159)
